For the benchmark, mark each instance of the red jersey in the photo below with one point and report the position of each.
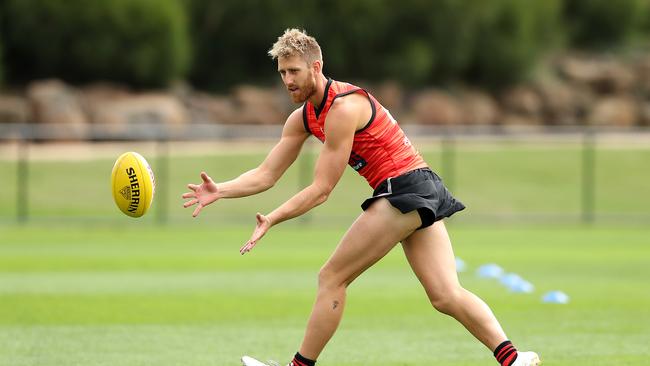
(380, 149)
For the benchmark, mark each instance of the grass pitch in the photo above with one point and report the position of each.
(81, 284)
(182, 295)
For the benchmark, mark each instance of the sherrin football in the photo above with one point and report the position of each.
(133, 184)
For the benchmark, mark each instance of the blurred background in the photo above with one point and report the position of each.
(530, 110)
(536, 113)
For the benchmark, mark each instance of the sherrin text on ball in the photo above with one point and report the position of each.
(132, 184)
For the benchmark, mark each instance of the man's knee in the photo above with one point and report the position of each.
(329, 278)
(448, 300)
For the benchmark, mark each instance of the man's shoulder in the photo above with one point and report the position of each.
(350, 102)
(295, 121)
(296, 112)
(342, 86)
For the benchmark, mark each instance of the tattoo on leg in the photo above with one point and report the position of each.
(335, 304)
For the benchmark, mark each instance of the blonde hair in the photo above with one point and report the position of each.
(296, 42)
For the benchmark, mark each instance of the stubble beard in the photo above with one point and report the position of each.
(306, 92)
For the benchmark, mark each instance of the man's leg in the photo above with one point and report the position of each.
(369, 238)
(432, 259)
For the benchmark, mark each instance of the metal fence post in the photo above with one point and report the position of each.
(22, 177)
(162, 178)
(588, 175)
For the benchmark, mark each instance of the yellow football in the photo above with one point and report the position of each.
(133, 184)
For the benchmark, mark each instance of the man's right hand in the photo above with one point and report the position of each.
(201, 195)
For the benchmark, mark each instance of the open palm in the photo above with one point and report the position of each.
(201, 195)
(263, 225)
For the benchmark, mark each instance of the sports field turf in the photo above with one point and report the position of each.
(82, 284)
(182, 295)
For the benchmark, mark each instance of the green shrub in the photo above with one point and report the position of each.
(230, 39)
(142, 42)
(490, 42)
(512, 37)
(417, 42)
(1, 65)
(597, 23)
(1, 46)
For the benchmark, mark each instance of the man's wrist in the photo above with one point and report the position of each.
(272, 218)
(220, 192)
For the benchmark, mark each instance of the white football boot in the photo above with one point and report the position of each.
(250, 361)
(527, 359)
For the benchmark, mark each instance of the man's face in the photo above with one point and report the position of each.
(298, 77)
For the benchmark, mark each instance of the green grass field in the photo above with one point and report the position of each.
(82, 284)
(182, 295)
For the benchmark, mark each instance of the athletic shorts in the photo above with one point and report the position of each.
(420, 190)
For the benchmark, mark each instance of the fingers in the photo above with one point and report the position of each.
(247, 247)
(197, 210)
(206, 178)
(195, 188)
(262, 220)
(260, 230)
(190, 203)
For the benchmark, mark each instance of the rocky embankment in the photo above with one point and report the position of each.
(574, 90)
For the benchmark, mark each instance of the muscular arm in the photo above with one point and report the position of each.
(257, 180)
(345, 116)
(341, 123)
(282, 155)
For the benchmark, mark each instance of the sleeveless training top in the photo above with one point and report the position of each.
(380, 149)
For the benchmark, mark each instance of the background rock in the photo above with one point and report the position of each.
(436, 107)
(256, 105)
(51, 101)
(14, 109)
(578, 89)
(614, 111)
(479, 108)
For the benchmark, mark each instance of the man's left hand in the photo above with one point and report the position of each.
(263, 225)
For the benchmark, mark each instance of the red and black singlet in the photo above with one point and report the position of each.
(380, 149)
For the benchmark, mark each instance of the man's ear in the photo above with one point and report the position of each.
(317, 67)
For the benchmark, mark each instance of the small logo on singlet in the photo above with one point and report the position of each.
(356, 161)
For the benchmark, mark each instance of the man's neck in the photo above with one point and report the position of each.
(318, 96)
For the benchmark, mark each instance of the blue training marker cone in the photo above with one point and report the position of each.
(522, 286)
(489, 271)
(516, 284)
(460, 265)
(555, 297)
(510, 279)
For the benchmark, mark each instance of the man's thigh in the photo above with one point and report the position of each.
(430, 254)
(371, 236)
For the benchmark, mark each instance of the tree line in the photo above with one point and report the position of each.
(215, 44)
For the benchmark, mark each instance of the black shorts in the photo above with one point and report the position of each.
(420, 190)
